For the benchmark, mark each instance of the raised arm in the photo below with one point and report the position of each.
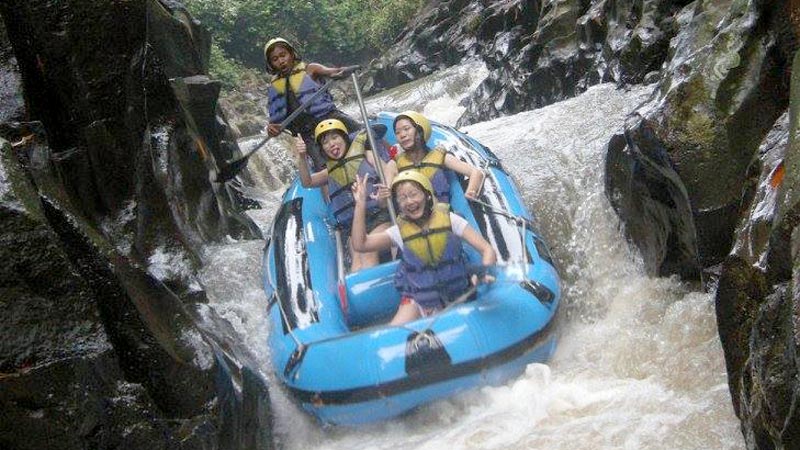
(307, 179)
(475, 174)
(361, 241)
(389, 172)
(318, 71)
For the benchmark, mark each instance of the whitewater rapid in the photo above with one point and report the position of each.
(639, 364)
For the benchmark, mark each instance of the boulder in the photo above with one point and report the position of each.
(107, 200)
(723, 88)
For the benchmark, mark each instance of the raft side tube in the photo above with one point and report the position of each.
(384, 408)
(498, 320)
(392, 397)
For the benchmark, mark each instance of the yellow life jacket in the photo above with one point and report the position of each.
(432, 270)
(303, 87)
(295, 79)
(430, 164)
(428, 244)
(344, 170)
(342, 174)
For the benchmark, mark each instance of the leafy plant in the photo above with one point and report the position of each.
(336, 32)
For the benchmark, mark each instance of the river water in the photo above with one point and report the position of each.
(639, 363)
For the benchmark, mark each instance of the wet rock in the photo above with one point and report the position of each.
(109, 109)
(444, 34)
(758, 329)
(566, 47)
(742, 288)
(537, 52)
(764, 178)
(723, 89)
(45, 302)
(107, 200)
(12, 106)
(757, 299)
(644, 188)
(96, 352)
(80, 403)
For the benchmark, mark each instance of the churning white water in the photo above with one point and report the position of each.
(639, 364)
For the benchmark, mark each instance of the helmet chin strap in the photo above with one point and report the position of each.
(419, 140)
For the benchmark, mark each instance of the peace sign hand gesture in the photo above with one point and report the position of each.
(360, 189)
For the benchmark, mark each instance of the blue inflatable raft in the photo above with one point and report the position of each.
(328, 341)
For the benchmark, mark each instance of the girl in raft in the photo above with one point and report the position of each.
(294, 81)
(432, 270)
(413, 130)
(346, 158)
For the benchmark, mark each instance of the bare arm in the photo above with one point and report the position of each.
(361, 241)
(475, 174)
(307, 179)
(473, 238)
(318, 71)
(389, 172)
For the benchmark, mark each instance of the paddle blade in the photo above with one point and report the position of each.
(343, 298)
(231, 169)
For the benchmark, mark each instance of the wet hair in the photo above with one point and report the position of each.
(419, 139)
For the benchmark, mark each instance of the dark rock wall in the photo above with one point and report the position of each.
(758, 307)
(703, 176)
(721, 69)
(537, 52)
(106, 101)
(109, 142)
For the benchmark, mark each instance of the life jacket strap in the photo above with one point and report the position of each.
(426, 232)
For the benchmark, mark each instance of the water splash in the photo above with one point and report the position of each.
(437, 96)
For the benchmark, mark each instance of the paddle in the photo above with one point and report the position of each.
(340, 272)
(373, 145)
(231, 168)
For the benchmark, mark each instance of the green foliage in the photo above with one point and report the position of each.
(225, 69)
(334, 32)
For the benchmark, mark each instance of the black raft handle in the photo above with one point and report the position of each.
(294, 360)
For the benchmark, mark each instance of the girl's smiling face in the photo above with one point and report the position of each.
(406, 133)
(411, 199)
(333, 144)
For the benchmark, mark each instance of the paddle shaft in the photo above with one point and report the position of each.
(373, 145)
(340, 271)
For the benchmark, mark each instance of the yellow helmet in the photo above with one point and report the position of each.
(329, 125)
(415, 176)
(417, 119)
(273, 42)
